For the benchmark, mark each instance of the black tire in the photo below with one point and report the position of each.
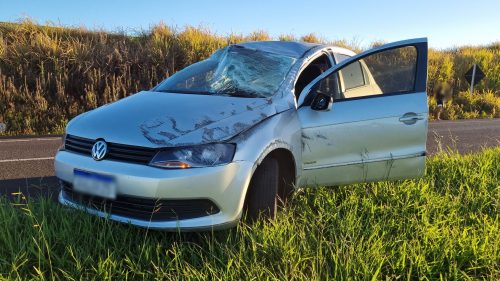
(285, 185)
(262, 195)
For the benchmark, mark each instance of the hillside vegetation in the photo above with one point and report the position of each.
(445, 226)
(49, 74)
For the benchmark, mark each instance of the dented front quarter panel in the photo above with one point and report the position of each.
(279, 131)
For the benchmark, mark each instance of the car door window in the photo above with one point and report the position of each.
(391, 71)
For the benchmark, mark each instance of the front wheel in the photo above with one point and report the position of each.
(262, 195)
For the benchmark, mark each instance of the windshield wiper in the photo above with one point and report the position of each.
(187, 92)
(238, 94)
(242, 94)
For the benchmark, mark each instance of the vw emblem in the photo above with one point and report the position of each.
(99, 150)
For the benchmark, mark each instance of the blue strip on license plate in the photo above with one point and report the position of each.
(98, 177)
(94, 184)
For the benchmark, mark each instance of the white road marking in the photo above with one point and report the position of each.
(26, 159)
(34, 139)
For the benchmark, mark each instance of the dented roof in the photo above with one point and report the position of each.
(287, 48)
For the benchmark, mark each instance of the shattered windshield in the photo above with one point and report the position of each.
(232, 71)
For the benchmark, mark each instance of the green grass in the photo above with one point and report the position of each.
(443, 226)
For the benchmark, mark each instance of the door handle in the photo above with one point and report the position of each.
(410, 118)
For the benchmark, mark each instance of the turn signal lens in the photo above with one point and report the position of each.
(172, 164)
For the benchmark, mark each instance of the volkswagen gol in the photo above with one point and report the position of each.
(237, 132)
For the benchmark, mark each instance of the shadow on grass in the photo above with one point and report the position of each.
(35, 187)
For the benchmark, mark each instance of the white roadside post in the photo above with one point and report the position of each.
(472, 79)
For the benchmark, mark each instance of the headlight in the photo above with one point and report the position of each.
(193, 157)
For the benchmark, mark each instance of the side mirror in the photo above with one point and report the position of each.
(321, 102)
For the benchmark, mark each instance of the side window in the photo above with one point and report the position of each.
(340, 57)
(386, 72)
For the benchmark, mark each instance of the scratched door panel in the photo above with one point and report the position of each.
(360, 131)
(377, 126)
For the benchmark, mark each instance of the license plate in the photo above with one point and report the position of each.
(94, 184)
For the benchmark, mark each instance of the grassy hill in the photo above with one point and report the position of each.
(49, 74)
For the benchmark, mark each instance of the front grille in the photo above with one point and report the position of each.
(119, 152)
(144, 208)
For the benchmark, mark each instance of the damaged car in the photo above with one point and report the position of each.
(236, 133)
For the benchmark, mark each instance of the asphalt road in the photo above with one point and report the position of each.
(465, 136)
(26, 164)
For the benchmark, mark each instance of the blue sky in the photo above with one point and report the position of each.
(447, 23)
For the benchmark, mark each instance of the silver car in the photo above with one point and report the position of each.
(236, 133)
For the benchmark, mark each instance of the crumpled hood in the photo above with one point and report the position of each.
(154, 119)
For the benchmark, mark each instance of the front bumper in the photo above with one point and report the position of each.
(224, 185)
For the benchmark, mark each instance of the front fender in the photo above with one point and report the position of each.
(279, 131)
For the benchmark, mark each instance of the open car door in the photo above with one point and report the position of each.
(365, 119)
